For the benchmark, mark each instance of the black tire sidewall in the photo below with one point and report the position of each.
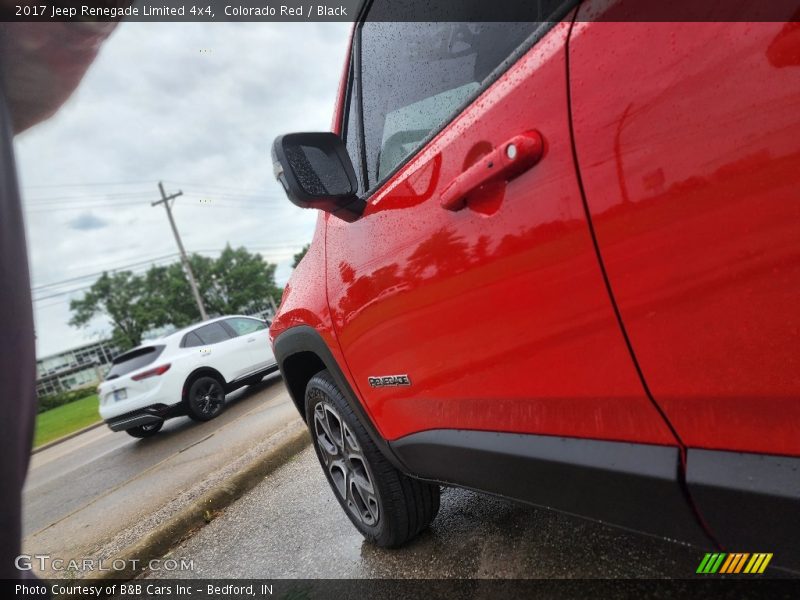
(322, 388)
(192, 409)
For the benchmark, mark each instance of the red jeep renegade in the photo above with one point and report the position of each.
(556, 261)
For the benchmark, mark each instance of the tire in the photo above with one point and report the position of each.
(386, 506)
(205, 399)
(145, 431)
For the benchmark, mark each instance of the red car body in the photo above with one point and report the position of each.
(636, 291)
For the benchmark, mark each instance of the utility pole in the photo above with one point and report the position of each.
(272, 304)
(167, 202)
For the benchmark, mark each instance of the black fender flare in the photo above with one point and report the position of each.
(304, 339)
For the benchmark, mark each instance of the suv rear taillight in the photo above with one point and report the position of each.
(152, 372)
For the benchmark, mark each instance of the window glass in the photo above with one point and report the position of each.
(415, 76)
(191, 340)
(213, 333)
(244, 326)
(133, 360)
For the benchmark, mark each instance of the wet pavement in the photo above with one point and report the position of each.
(291, 526)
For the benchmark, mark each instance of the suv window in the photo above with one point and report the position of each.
(133, 360)
(191, 340)
(416, 76)
(243, 326)
(213, 333)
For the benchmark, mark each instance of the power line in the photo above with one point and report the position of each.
(98, 274)
(86, 184)
(40, 209)
(85, 287)
(220, 194)
(288, 246)
(211, 186)
(200, 186)
(134, 270)
(96, 205)
(79, 197)
(114, 206)
(125, 195)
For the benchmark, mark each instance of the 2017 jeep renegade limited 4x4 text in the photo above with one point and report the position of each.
(557, 262)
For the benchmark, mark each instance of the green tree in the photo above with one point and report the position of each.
(240, 282)
(171, 300)
(124, 298)
(299, 256)
(235, 282)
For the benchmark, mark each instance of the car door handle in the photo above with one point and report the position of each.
(251, 340)
(503, 163)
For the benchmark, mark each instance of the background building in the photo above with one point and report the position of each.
(80, 367)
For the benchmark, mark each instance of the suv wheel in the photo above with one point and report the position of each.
(385, 505)
(205, 399)
(145, 431)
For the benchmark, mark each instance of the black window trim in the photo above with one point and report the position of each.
(228, 328)
(354, 85)
(185, 337)
(355, 79)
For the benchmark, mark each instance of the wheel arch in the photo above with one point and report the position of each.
(200, 372)
(301, 353)
(297, 370)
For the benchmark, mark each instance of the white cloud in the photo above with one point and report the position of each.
(154, 107)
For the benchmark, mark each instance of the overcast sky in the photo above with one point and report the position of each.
(194, 105)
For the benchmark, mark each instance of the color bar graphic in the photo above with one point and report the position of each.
(734, 563)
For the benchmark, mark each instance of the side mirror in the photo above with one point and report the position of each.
(316, 172)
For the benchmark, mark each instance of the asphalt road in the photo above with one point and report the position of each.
(290, 526)
(81, 493)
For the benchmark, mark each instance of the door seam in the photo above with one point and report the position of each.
(681, 467)
(596, 245)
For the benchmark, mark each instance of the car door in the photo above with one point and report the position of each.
(255, 335)
(492, 308)
(691, 170)
(222, 350)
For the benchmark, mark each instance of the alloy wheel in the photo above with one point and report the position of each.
(345, 462)
(208, 398)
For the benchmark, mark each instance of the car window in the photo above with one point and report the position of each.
(213, 333)
(132, 360)
(415, 77)
(242, 326)
(191, 340)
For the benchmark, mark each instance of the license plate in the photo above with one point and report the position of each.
(120, 395)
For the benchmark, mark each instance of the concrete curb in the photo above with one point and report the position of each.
(158, 542)
(69, 436)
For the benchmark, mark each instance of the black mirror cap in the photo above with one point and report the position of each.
(315, 171)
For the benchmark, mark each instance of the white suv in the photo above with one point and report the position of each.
(185, 373)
